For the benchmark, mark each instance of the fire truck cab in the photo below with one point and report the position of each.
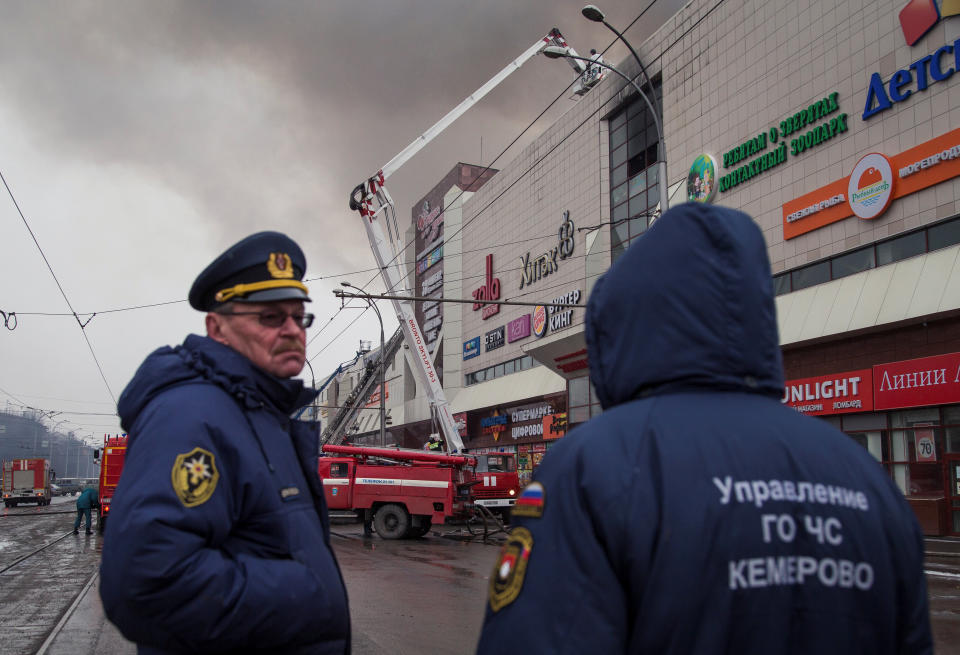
(497, 483)
(406, 490)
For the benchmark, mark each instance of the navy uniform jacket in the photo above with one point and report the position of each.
(698, 514)
(218, 538)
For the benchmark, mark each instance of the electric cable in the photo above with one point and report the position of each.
(59, 286)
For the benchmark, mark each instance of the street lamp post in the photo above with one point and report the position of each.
(383, 354)
(313, 385)
(53, 432)
(593, 13)
(556, 52)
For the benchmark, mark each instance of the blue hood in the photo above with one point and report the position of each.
(690, 304)
(201, 359)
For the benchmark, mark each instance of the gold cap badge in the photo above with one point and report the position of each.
(280, 265)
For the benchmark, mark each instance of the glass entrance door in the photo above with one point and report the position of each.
(953, 492)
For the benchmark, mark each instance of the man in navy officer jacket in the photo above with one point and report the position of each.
(697, 514)
(219, 539)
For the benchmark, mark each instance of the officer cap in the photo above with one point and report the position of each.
(264, 267)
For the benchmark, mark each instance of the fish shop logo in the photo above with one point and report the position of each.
(870, 189)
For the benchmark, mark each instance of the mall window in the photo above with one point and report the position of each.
(852, 262)
(926, 239)
(634, 190)
(499, 370)
(810, 275)
(582, 401)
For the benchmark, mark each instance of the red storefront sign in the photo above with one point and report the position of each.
(917, 382)
(840, 393)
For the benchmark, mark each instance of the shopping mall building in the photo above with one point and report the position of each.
(835, 125)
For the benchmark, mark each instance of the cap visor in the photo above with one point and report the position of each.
(272, 295)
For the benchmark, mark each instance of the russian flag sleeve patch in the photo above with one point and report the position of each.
(531, 502)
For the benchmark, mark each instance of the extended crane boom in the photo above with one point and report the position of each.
(378, 212)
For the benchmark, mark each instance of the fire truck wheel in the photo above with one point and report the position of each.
(391, 521)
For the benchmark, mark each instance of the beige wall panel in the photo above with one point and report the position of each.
(932, 283)
(903, 285)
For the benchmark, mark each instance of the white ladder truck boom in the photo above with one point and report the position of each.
(378, 212)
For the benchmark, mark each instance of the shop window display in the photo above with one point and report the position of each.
(913, 476)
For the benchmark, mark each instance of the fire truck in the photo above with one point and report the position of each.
(111, 458)
(406, 490)
(26, 481)
(495, 483)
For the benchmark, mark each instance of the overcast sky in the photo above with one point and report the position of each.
(141, 139)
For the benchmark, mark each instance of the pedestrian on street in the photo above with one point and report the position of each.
(86, 501)
(697, 513)
(219, 536)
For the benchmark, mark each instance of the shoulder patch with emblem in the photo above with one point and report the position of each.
(194, 477)
(507, 579)
(531, 501)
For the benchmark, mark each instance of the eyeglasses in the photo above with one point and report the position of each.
(274, 319)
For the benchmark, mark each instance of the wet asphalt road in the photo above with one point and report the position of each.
(410, 596)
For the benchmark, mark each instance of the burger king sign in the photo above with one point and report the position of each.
(539, 321)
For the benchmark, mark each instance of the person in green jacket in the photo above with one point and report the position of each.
(86, 501)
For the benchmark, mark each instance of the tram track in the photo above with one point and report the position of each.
(17, 515)
(45, 573)
(23, 558)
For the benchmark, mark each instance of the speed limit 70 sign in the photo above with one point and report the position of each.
(926, 448)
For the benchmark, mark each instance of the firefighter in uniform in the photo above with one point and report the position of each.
(219, 538)
(697, 513)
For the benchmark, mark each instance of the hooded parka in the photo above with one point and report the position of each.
(697, 513)
(218, 538)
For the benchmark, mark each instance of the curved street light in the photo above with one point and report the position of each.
(556, 52)
(370, 303)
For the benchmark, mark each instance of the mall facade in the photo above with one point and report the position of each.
(835, 125)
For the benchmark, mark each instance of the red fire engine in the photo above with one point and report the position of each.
(26, 481)
(406, 490)
(111, 464)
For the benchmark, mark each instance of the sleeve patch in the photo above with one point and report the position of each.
(194, 477)
(531, 502)
(507, 578)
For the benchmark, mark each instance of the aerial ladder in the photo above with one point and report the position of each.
(375, 205)
(341, 421)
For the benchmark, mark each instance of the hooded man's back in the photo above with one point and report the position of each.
(697, 514)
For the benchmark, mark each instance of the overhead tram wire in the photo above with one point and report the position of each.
(324, 277)
(59, 286)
